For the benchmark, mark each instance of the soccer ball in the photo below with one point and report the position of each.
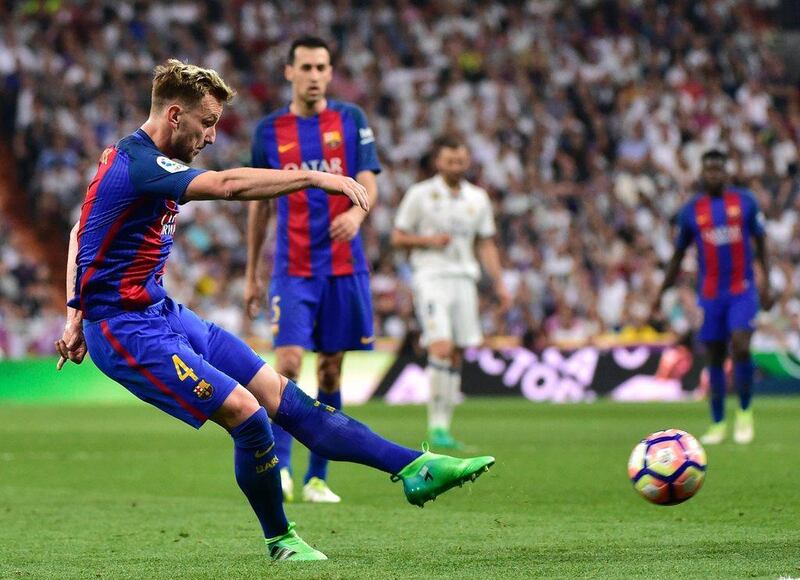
(667, 467)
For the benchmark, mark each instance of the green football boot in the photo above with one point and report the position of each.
(715, 434)
(441, 438)
(743, 431)
(290, 546)
(430, 475)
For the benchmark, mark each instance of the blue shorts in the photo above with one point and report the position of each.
(722, 316)
(168, 357)
(322, 313)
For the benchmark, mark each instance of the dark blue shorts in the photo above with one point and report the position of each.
(168, 357)
(322, 313)
(722, 316)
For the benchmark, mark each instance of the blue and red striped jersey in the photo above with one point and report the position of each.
(721, 228)
(126, 228)
(338, 140)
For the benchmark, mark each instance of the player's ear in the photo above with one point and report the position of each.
(288, 72)
(173, 114)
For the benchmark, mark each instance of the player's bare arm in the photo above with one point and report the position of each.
(258, 214)
(489, 256)
(345, 226)
(765, 294)
(72, 345)
(407, 241)
(670, 277)
(247, 183)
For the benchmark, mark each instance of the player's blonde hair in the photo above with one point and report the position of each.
(179, 81)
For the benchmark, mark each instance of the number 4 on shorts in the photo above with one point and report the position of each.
(183, 371)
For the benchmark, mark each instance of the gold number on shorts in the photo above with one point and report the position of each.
(183, 371)
(276, 310)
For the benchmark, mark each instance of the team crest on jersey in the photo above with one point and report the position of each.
(170, 165)
(332, 139)
(734, 211)
(204, 390)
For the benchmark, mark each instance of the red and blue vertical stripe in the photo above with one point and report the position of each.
(723, 241)
(328, 141)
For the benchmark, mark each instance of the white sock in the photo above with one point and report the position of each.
(440, 408)
(455, 389)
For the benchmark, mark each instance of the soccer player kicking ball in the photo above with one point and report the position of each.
(721, 221)
(167, 356)
(320, 276)
(439, 220)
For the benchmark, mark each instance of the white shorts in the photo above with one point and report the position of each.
(447, 309)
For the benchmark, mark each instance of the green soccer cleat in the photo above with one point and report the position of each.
(290, 546)
(287, 485)
(317, 491)
(441, 438)
(743, 431)
(715, 434)
(430, 475)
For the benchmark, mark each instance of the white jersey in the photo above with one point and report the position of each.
(431, 207)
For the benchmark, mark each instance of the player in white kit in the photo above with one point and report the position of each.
(444, 222)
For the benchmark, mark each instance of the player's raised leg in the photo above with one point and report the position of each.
(336, 436)
(256, 467)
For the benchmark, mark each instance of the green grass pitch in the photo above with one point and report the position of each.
(127, 492)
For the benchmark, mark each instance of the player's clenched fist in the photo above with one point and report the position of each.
(340, 184)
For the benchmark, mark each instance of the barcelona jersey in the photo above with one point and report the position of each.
(338, 140)
(721, 228)
(126, 227)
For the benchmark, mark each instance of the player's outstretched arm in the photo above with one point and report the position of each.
(407, 241)
(247, 183)
(258, 215)
(72, 345)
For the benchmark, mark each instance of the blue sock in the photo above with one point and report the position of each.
(336, 436)
(283, 446)
(716, 377)
(743, 379)
(317, 464)
(257, 473)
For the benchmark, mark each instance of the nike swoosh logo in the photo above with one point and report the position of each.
(367, 339)
(285, 147)
(260, 454)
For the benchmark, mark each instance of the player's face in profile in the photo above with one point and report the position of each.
(310, 73)
(196, 128)
(452, 163)
(714, 174)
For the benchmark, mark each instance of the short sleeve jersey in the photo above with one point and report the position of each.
(721, 228)
(429, 208)
(126, 227)
(338, 140)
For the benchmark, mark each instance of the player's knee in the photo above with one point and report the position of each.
(442, 350)
(329, 373)
(239, 406)
(289, 362)
(740, 350)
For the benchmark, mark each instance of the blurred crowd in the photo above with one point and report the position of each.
(586, 122)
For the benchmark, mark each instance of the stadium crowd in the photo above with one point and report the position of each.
(586, 122)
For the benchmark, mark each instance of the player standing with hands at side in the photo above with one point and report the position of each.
(442, 221)
(163, 353)
(721, 220)
(320, 275)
